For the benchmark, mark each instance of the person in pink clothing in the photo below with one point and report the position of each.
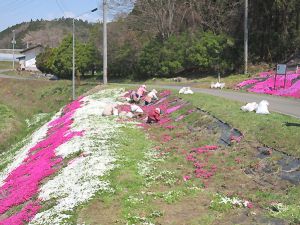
(154, 116)
(142, 90)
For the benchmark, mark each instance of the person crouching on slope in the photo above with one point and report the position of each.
(150, 96)
(154, 116)
(142, 90)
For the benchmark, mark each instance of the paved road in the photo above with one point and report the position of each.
(287, 106)
(2, 75)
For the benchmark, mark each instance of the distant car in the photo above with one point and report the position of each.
(52, 77)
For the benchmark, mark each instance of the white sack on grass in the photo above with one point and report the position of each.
(136, 108)
(186, 91)
(182, 90)
(263, 107)
(249, 107)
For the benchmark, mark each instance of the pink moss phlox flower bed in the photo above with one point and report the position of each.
(165, 93)
(124, 107)
(25, 215)
(291, 89)
(174, 108)
(22, 183)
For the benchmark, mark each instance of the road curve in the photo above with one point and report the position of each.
(283, 105)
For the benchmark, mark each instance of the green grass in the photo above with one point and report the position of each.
(18, 73)
(126, 179)
(5, 65)
(267, 129)
(6, 114)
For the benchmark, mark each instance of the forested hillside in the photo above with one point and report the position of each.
(169, 37)
(47, 33)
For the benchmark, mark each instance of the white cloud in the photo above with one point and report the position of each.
(68, 14)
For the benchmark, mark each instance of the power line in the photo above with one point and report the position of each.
(60, 7)
(63, 5)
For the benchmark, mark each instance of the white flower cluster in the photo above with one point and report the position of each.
(233, 201)
(79, 180)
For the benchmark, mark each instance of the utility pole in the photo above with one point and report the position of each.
(246, 36)
(73, 61)
(104, 43)
(13, 43)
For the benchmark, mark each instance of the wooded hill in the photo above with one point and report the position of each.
(47, 33)
(166, 38)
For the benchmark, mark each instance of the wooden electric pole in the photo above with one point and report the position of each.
(104, 43)
(246, 36)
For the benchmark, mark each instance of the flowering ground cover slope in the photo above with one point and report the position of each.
(265, 84)
(59, 168)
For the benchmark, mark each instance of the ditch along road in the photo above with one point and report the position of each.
(2, 75)
(283, 105)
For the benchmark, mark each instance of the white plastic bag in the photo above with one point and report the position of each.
(263, 107)
(186, 91)
(249, 107)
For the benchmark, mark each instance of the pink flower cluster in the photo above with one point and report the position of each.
(165, 93)
(173, 109)
(125, 108)
(291, 89)
(22, 184)
(202, 170)
(166, 138)
(236, 139)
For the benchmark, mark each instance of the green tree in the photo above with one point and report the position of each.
(45, 60)
(210, 52)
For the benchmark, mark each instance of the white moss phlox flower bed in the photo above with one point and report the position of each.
(76, 164)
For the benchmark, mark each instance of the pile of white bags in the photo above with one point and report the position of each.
(261, 108)
(217, 85)
(186, 91)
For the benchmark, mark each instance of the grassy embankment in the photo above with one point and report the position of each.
(22, 100)
(149, 187)
(5, 65)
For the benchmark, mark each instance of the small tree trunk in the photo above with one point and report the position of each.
(78, 78)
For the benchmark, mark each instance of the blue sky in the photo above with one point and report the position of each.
(17, 11)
